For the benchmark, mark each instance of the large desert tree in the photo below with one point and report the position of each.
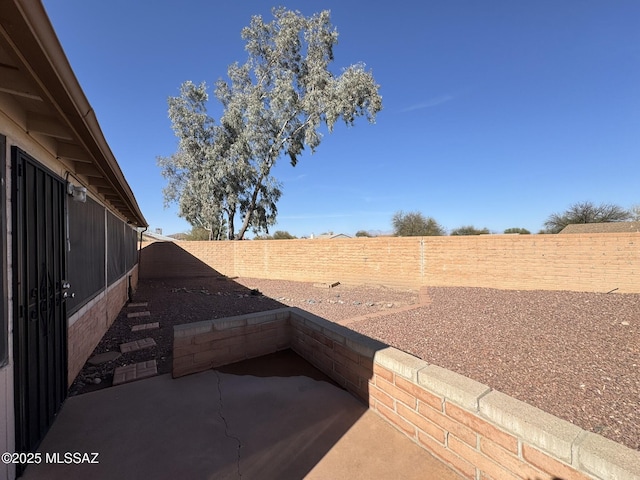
(586, 212)
(196, 176)
(274, 105)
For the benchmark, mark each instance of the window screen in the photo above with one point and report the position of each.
(85, 258)
(131, 247)
(115, 248)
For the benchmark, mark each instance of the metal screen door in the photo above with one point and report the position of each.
(40, 323)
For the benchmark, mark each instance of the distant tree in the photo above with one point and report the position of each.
(198, 233)
(586, 212)
(282, 235)
(521, 231)
(635, 213)
(363, 233)
(469, 230)
(179, 236)
(274, 105)
(414, 224)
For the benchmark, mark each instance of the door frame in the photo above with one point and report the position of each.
(4, 307)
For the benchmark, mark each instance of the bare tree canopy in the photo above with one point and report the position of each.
(586, 212)
(274, 105)
(414, 224)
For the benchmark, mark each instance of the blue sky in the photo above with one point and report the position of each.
(495, 113)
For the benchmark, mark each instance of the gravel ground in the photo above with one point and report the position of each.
(338, 304)
(575, 355)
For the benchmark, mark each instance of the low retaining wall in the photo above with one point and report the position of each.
(200, 346)
(479, 432)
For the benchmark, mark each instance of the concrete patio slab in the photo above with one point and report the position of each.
(220, 425)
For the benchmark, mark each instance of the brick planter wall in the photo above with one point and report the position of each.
(203, 345)
(89, 324)
(479, 432)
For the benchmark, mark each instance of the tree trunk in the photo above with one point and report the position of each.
(252, 207)
(231, 226)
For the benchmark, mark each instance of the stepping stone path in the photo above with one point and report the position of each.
(145, 326)
(137, 345)
(137, 305)
(135, 371)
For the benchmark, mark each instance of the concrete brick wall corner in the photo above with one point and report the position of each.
(204, 345)
(218, 256)
(344, 355)
(479, 432)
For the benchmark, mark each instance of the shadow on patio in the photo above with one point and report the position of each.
(275, 416)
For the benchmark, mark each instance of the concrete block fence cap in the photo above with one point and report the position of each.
(535, 426)
(399, 362)
(607, 459)
(452, 386)
(190, 329)
(365, 346)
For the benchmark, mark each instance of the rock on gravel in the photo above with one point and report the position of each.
(339, 303)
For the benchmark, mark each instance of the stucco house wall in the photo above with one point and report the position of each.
(45, 114)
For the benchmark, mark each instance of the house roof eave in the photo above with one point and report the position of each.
(27, 30)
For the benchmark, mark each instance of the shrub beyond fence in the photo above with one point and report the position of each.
(580, 262)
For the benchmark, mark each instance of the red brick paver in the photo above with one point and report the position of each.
(135, 371)
(137, 345)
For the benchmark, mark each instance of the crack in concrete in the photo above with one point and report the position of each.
(226, 425)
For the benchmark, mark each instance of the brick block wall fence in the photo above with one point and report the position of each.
(579, 262)
(479, 432)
